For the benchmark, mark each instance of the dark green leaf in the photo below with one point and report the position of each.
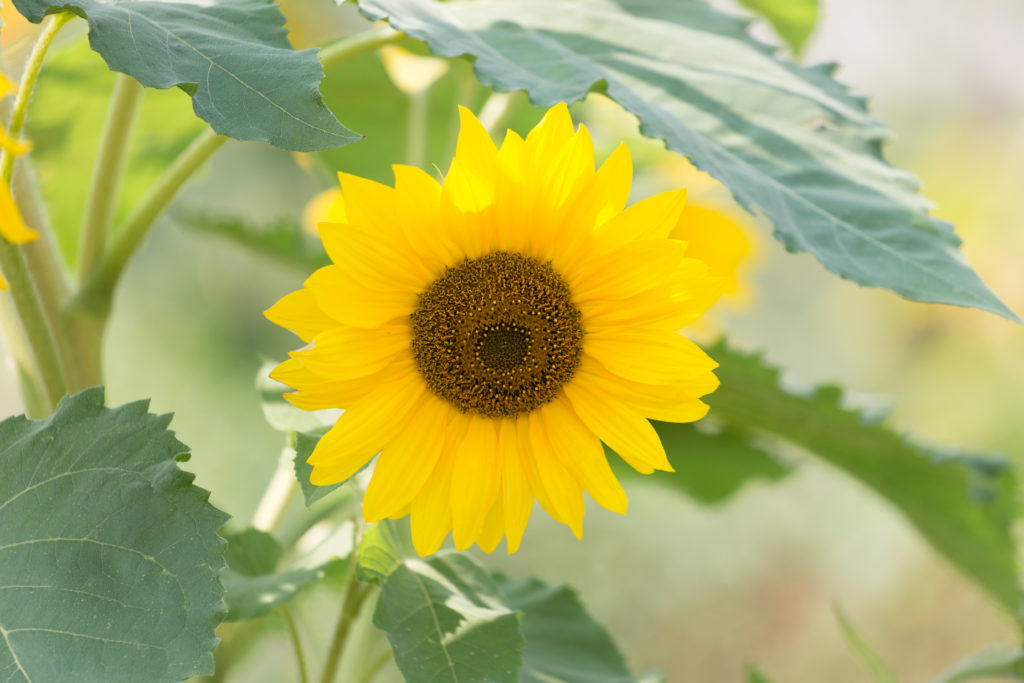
(1003, 662)
(563, 643)
(963, 505)
(232, 57)
(794, 20)
(305, 442)
(108, 554)
(880, 671)
(253, 584)
(710, 467)
(446, 622)
(788, 140)
(281, 240)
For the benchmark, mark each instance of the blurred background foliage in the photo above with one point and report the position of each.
(697, 591)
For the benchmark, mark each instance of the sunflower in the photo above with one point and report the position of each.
(12, 226)
(486, 334)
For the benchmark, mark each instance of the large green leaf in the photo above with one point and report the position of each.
(232, 57)
(794, 20)
(252, 580)
(788, 140)
(563, 643)
(108, 554)
(709, 467)
(963, 505)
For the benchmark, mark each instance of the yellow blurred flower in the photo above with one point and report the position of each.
(325, 207)
(12, 225)
(411, 73)
(485, 335)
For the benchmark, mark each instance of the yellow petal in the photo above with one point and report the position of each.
(627, 270)
(563, 490)
(517, 499)
(624, 430)
(363, 429)
(326, 207)
(349, 352)
(316, 393)
(649, 356)
(419, 206)
(549, 136)
(12, 226)
(299, 313)
(349, 302)
(3, 282)
(494, 529)
(406, 461)
(475, 480)
(612, 181)
(676, 402)
(431, 513)
(581, 453)
(411, 73)
(648, 219)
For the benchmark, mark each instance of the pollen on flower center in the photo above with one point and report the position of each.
(497, 335)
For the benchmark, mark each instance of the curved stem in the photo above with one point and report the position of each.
(354, 596)
(106, 177)
(293, 634)
(359, 44)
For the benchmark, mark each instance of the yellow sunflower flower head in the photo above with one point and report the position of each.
(486, 334)
(12, 226)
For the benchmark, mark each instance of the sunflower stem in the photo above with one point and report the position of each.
(354, 596)
(106, 177)
(359, 44)
(270, 510)
(293, 634)
(44, 371)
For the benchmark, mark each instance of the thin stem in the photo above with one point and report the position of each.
(376, 665)
(359, 44)
(496, 111)
(31, 311)
(354, 596)
(106, 177)
(416, 143)
(96, 294)
(279, 493)
(293, 633)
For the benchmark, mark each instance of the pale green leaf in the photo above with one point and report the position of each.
(1005, 663)
(963, 505)
(232, 57)
(793, 20)
(281, 240)
(108, 554)
(754, 675)
(788, 140)
(382, 548)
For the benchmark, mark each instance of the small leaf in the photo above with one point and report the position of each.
(563, 643)
(793, 20)
(788, 140)
(233, 58)
(254, 586)
(445, 621)
(282, 240)
(963, 505)
(1003, 662)
(108, 554)
(305, 442)
(710, 467)
(754, 675)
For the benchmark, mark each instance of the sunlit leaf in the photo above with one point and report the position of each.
(108, 554)
(788, 140)
(794, 20)
(963, 505)
(233, 58)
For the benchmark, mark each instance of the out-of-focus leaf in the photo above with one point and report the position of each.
(963, 505)
(754, 675)
(793, 20)
(1001, 662)
(232, 57)
(788, 140)
(563, 643)
(108, 554)
(880, 671)
(710, 467)
(253, 584)
(281, 240)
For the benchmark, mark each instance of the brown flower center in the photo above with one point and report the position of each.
(497, 335)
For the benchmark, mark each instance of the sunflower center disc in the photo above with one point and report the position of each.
(497, 335)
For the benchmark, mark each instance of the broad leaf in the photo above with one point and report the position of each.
(446, 622)
(794, 20)
(788, 140)
(232, 57)
(563, 643)
(253, 583)
(963, 505)
(709, 467)
(108, 554)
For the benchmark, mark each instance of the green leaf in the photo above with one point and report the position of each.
(254, 586)
(446, 622)
(305, 442)
(709, 467)
(382, 549)
(788, 140)
(282, 240)
(108, 554)
(563, 643)
(793, 20)
(754, 675)
(1003, 662)
(232, 57)
(880, 671)
(963, 505)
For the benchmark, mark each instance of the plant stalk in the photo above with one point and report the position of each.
(354, 596)
(359, 44)
(293, 634)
